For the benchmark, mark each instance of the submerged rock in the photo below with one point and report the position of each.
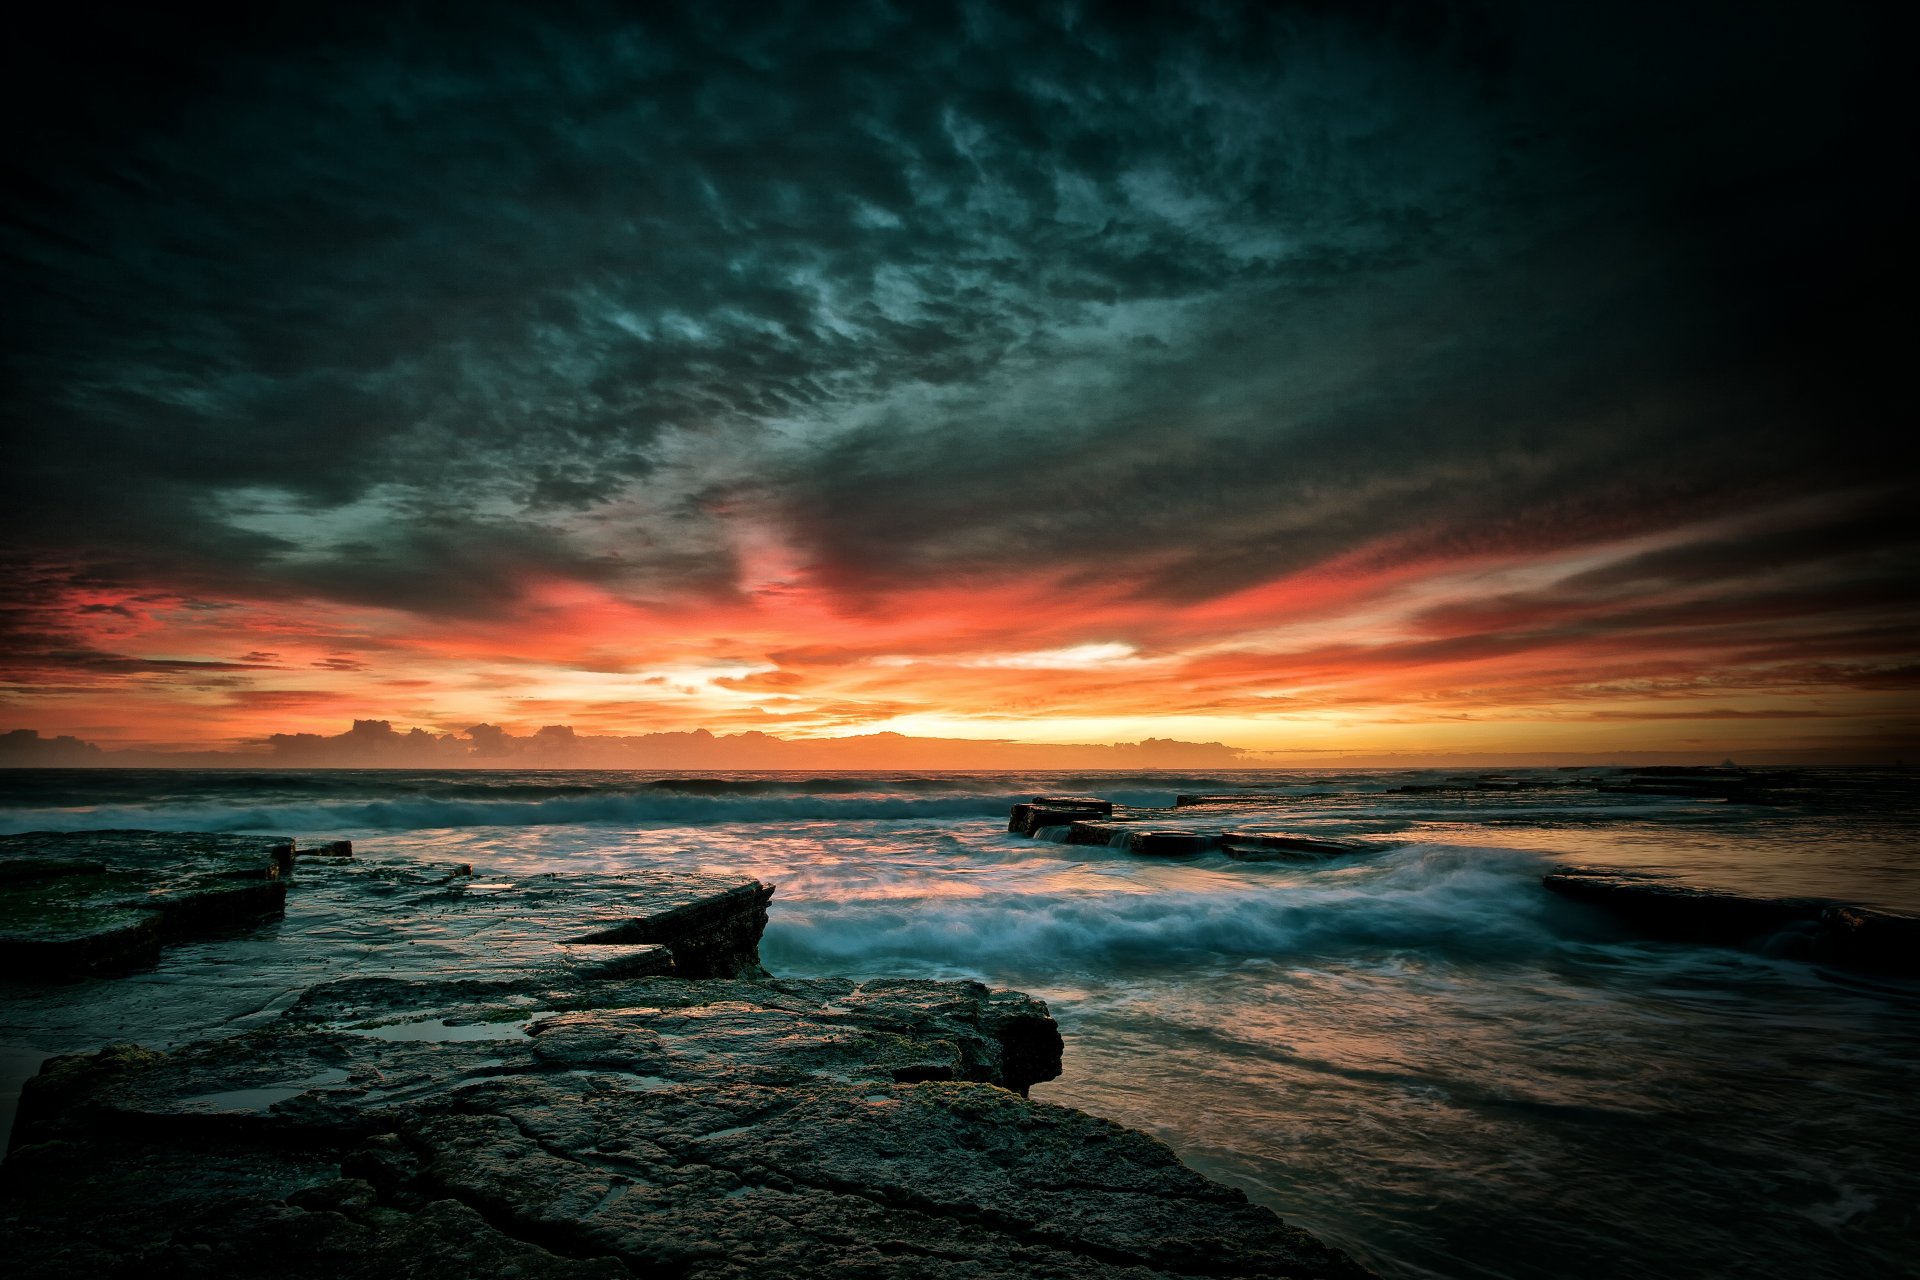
(1806, 928)
(1101, 833)
(1663, 909)
(1188, 799)
(1861, 938)
(1283, 846)
(1165, 843)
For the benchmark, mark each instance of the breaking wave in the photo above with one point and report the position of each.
(1465, 904)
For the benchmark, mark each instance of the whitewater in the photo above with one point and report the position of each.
(1419, 1055)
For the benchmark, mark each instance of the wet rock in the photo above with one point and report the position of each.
(599, 960)
(714, 933)
(1075, 802)
(22, 870)
(1166, 844)
(1100, 833)
(65, 933)
(710, 925)
(1187, 799)
(324, 849)
(1281, 846)
(231, 1212)
(1664, 909)
(711, 1130)
(1861, 938)
(1055, 811)
(97, 901)
(1815, 929)
(1733, 785)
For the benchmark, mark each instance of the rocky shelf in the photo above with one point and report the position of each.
(567, 1077)
(103, 900)
(1138, 830)
(1817, 929)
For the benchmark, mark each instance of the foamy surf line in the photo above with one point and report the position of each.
(430, 814)
(1465, 903)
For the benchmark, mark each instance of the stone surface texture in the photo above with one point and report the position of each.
(517, 1078)
(656, 1126)
(98, 901)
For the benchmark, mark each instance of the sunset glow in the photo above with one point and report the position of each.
(1305, 401)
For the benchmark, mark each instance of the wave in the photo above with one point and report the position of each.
(428, 813)
(1476, 903)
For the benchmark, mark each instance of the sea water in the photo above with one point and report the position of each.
(1420, 1055)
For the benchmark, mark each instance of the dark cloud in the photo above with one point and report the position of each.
(416, 310)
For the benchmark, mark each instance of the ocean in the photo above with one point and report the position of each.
(1420, 1055)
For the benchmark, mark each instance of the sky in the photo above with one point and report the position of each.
(1321, 380)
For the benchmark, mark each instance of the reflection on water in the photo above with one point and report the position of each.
(1420, 1055)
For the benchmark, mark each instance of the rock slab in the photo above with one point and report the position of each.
(710, 1130)
(100, 901)
(1806, 928)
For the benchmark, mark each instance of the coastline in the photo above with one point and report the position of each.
(502, 1090)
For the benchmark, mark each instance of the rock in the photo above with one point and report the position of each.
(1280, 846)
(196, 909)
(27, 868)
(155, 853)
(526, 1091)
(599, 960)
(1075, 802)
(711, 925)
(1733, 785)
(231, 1212)
(712, 1130)
(1100, 833)
(1165, 843)
(1663, 909)
(1186, 799)
(325, 849)
(1862, 938)
(97, 901)
(1055, 811)
(712, 934)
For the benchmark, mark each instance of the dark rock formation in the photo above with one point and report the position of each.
(1055, 811)
(707, 1130)
(1664, 909)
(134, 891)
(713, 935)
(1166, 843)
(1733, 785)
(1861, 938)
(78, 902)
(1281, 846)
(1188, 799)
(1100, 833)
(1807, 928)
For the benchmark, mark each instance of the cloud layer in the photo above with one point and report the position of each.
(631, 367)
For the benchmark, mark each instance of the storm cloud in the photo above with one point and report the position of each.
(426, 311)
